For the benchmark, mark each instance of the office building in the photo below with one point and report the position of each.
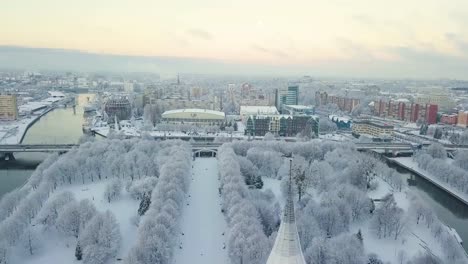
(286, 96)
(372, 128)
(248, 110)
(298, 110)
(8, 107)
(281, 125)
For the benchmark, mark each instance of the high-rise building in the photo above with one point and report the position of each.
(292, 97)
(406, 111)
(462, 119)
(286, 96)
(321, 98)
(343, 103)
(431, 113)
(8, 107)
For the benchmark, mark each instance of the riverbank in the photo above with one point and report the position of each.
(13, 132)
(409, 164)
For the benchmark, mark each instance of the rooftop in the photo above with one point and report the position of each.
(258, 109)
(194, 110)
(299, 107)
(373, 123)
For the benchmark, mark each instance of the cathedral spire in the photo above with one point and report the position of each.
(287, 248)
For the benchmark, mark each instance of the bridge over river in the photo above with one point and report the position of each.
(201, 148)
(7, 151)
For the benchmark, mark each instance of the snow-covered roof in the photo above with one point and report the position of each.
(299, 107)
(251, 110)
(56, 94)
(402, 100)
(345, 119)
(191, 111)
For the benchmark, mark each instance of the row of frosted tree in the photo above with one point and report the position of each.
(161, 224)
(434, 160)
(331, 183)
(28, 213)
(247, 242)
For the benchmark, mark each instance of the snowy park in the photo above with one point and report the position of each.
(138, 201)
(202, 238)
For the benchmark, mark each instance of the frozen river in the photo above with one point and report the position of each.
(203, 224)
(62, 126)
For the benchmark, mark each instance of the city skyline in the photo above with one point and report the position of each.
(364, 38)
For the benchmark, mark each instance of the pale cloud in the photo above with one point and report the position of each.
(200, 33)
(273, 52)
(459, 42)
(298, 33)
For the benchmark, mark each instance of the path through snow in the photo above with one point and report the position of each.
(203, 224)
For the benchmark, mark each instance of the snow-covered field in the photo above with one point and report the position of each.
(12, 132)
(95, 204)
(57, 248)
(203, 225)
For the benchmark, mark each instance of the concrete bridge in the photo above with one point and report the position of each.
(202, 148)
(7, 151)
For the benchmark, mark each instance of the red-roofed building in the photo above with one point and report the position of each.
(431, 113)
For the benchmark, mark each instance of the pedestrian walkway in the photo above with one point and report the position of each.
(203, 238)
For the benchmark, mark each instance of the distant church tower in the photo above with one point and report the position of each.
(287, 248)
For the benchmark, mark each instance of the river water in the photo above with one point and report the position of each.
(449, 209)
(62, 125)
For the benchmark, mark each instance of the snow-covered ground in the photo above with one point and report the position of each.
(11, 132)
(57, 248)
(413, 165)
(414, 239)
(336, 137)
(203, 224)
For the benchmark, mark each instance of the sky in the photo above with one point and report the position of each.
(368, 38)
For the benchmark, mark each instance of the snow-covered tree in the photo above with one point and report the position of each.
(69, 219)
(269, 137)
(50, 212)
(389, 220)
(113, 190)
(461, 159)
(143, 187)
(31, 241)
(326, 126)
(100, 239)
(144, 204)
(341, 249)
(436, 151)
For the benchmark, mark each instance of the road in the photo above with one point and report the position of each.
(203, 224)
